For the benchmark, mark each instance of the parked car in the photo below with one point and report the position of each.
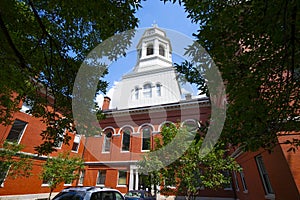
(89, 193)
(139, 195)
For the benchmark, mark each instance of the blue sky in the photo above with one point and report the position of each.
(169, 16)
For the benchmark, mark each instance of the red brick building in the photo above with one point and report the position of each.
(26, 130)
(147, 98)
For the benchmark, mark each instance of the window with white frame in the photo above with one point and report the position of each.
(147, 90)
(161, 50)
(81, 177)
(237, 188)
(191, 125)
(76, 143)
(136, 93)
(126, 139)
(101, 177)
(107, 141)
(245, 188)
(122, 177)
(59, 140)
(146, 138)
(16, 131)
(227, 175)
(150, 50)
(158, 90)
(264, 175)
(3, 173)
(26, 105)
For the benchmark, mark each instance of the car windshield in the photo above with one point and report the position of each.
(133, 194)
(70, 195)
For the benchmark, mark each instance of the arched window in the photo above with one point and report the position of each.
(126, 139)
(158, 90)
(150, 50)
(161, 50)
(147, 90)
(146, 138)
(191, 125)
(107, 140)
(136, 93)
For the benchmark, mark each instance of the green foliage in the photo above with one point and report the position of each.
(13, 163)
(42, 45)
(62, 168)
(191, 171)
(256, 45)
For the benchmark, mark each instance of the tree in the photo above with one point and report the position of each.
(13, 163)
(191, 171)
(61, 169)
(42, 45)
(255, 46)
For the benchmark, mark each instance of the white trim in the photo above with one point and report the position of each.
(110, 127)
(125, 126)
(146, 124)
(163, 123)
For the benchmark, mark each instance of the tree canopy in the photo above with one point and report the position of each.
(191, 171)
(256, 45)
(63, 168)
(13, 163)
(42, 45)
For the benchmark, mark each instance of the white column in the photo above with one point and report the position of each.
(131, 177)
(136, 180)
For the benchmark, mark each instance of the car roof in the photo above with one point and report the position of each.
(87, 188)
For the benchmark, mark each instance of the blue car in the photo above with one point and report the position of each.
(139, 195)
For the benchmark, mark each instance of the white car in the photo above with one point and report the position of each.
(89, 193)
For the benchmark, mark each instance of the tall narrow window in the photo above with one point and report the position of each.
(76, 143)
(227, 186)
(59, 140)
(264, 175)
(122, 177)
(236, 181)
(126, 140)
(81, 177)
(136, 93)
(146, 140)
(107, 141)
(101, 177)
(161, 50)
(3, 173)
(16, 131)
(158, 89)
(150, 50)
(245, 188)
(147, 90)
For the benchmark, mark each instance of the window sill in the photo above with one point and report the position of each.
(100, 185)
(121, 186)
(270, 196)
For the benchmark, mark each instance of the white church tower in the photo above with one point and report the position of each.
(153, 79)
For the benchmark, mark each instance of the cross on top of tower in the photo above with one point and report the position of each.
(154, 24)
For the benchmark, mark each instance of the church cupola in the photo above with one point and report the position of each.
(153, 80)
(154, 47)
